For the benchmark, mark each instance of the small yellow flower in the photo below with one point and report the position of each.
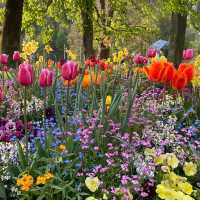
(72, 55)
(26, 182)
(91, 198)
(172, 160)
(48, 49)
(44, 178)
(190, 168)
(61, 148)
(92, 183)
(41, 180)
(185, 187)
(29, 48)
(108, 100)
(105, 196)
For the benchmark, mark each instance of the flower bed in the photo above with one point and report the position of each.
(124, 128)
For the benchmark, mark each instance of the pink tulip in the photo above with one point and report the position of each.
(25, 74)
(16, 56)
(187, 54)
(69, 70)
(140, 60)
(4, 59)
(151, 53)
(46, 78)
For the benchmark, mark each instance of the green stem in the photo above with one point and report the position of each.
(67, 102)
(25, 122)
(45, 106)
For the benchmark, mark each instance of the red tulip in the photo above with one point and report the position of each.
(4, 59)
(69, 70)
(16, 56)
(187, 54)
(179, 81)
(46, 78)
(151, 53)
(187, 69)
(25, 74)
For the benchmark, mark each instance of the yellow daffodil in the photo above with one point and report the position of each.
(29, 48)
(190, 168)
(92, 183)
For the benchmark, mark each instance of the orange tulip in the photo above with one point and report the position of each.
(155, 71)
(168, 72)
(179, 81)
(187, 69)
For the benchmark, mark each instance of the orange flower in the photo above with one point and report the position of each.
(69, 83)
(86, 81)
(155, 71)
(187, 69)
(168, 72)
(179, 81)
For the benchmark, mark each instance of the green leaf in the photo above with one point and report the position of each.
(22, 158)
(2, 192)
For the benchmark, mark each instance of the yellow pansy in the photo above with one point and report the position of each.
(172, 160)
(185, 187)
(160, 159)
(162, 191)
(190, 168)
(149, 151)
(92, 183)
(91, 198)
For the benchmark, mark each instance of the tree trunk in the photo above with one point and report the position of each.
(177, 37)
(12, 26)
(105, 49)
(88, 32)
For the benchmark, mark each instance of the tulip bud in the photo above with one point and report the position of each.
(16, 56)
(140, 60)
(69, 70)
(46, 78)
(187, 54)
(25, 74)
(151, 53)
(4, 59)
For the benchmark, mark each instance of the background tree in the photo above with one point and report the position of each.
(12, 26)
